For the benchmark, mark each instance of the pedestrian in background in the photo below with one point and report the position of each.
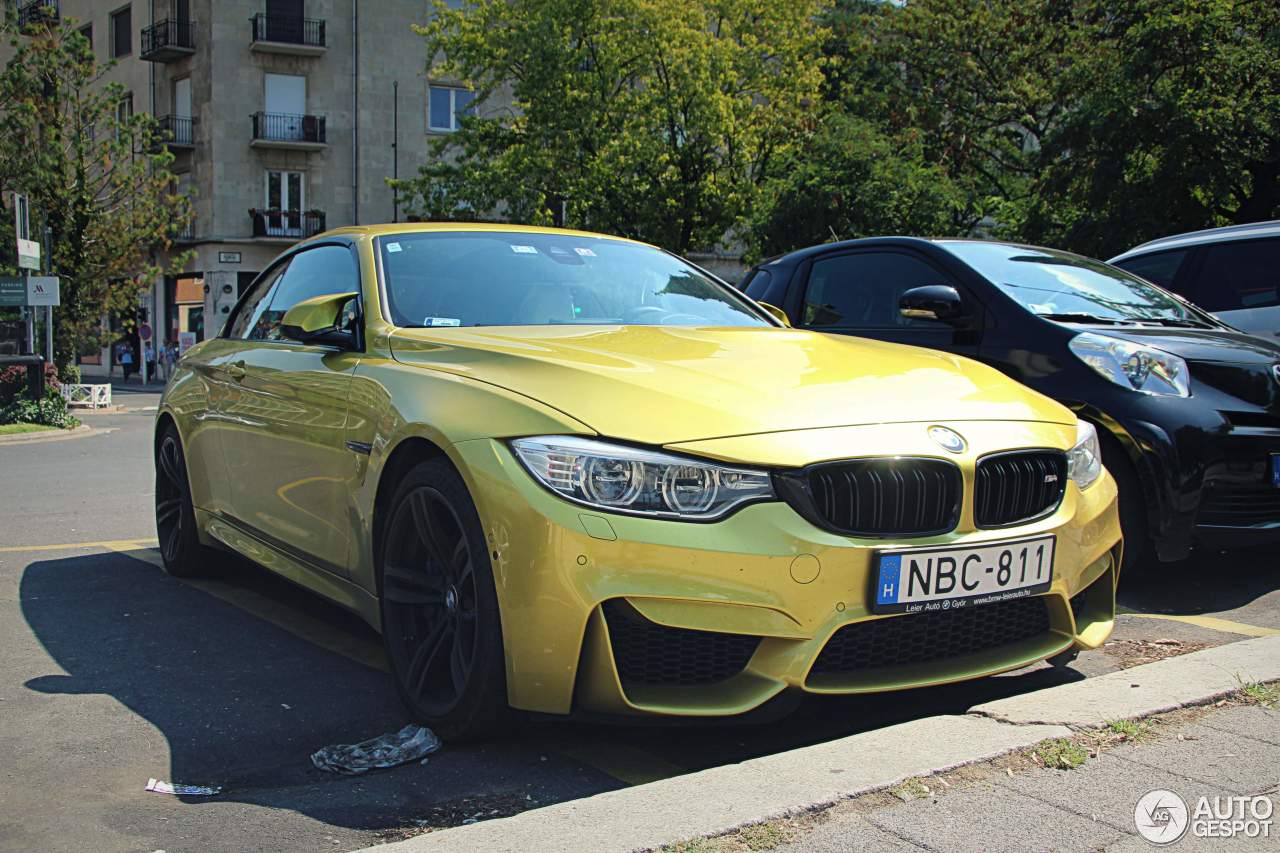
(168, 357)
(126, 360)
(149, 353)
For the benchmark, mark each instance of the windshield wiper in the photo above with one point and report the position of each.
(1086, 318)
(1176, 322)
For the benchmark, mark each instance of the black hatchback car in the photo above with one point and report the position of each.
(1187, 408)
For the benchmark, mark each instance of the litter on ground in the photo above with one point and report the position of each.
(389, 750)
(160, 787)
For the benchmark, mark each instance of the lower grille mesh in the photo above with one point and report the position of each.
(648, 653)
(1241, 506)
(937, 635)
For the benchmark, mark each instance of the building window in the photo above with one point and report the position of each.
(124, 112)
(121, 32)
(444, 106)
(87, 32)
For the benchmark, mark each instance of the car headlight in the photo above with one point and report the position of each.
(1084, 462)
(617, 478)
(1135, 366)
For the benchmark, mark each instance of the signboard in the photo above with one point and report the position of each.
(228, 257)
(37, 290)
(13, 292)
(43, 290)
(186, 340)
(28, 249)
(144, 332)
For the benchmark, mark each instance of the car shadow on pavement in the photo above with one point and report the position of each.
(1206, 582)
(241, 702)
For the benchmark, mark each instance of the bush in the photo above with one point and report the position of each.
(50, 411)
(13, 382)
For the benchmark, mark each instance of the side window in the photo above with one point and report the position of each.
(1239, 275)
(1159, 267)
(757, 283)
(321, 271)
(245, 325)
(862, 289)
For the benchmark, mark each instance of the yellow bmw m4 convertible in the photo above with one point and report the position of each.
(561, 471)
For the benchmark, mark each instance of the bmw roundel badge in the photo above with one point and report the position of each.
(948, 439)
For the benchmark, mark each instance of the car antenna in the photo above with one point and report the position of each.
(835, 238)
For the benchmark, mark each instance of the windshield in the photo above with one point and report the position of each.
(496, 278)
(1059, 285)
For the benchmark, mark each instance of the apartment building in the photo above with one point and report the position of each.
(285, 118)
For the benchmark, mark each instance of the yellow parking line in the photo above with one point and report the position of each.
(107, 545)
(1211, 622)
(624, 763)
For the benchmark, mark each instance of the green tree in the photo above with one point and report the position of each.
(97, 176)
(655, 119)
(1173, 124)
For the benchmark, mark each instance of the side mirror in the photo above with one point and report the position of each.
(321, 320)
(776, 313)
(931, 302)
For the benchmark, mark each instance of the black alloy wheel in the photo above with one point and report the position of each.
(439, 606)
(180, 547)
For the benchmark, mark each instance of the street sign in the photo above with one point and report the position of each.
(144, 332)
(13, 292)
(186, 340)
(43, 290)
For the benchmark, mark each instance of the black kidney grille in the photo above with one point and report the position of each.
(886, 497)
(916, 638)
(1012, 488)
(648, 653)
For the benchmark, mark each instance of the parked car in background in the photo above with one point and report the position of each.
(566, 471)
(1233, 272)
(1188, 409)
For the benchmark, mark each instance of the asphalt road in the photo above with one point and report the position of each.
(112, 673)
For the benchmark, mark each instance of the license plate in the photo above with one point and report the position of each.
(914, 580)
(1275, 470)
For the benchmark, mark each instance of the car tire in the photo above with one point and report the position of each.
(181, 551)
(1139, 550)
(439, 606)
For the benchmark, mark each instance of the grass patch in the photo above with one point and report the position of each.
(1129, 729)
(765, 836)
(1266, 695)
(912, 789)
(1060, 754)
(19, 429)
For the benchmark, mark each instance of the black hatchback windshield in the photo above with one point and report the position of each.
(1063, 286)
(501, 278)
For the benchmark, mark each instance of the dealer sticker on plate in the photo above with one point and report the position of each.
(914, 580)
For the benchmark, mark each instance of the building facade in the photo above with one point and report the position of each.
(285, 117)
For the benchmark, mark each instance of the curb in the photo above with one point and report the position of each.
(722, 799)
(81, 431)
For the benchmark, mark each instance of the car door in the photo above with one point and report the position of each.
(285, 419)
(857, 293)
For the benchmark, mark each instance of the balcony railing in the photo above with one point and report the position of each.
(178, 131)
(288, 30)
(288, 131)
(37, 12)
(287, 223)
(167, 40)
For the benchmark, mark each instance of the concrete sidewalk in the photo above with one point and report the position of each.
(1239, 753)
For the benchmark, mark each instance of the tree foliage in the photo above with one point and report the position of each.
(655, 119)
(97, 176)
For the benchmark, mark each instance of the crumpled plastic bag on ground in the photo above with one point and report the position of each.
(389, 750)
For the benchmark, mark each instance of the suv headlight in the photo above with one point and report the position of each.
(617, 478)
(1135, 366)
(1084, 462)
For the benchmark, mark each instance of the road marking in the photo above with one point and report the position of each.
(1211, 622)
(626, 764)
(107, 545)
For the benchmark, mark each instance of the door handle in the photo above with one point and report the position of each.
(236, 370)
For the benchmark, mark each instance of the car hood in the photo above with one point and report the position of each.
(1224, 345)
(663, 384)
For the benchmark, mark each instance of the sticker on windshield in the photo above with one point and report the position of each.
(441, 321)
(524, 250)
(393, 247)
(586, 253)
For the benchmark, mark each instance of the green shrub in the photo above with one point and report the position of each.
(13, 381)
(50, 411)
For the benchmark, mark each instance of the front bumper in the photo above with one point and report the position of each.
(619, 614)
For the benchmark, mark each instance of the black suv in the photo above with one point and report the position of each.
(1187, 408)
